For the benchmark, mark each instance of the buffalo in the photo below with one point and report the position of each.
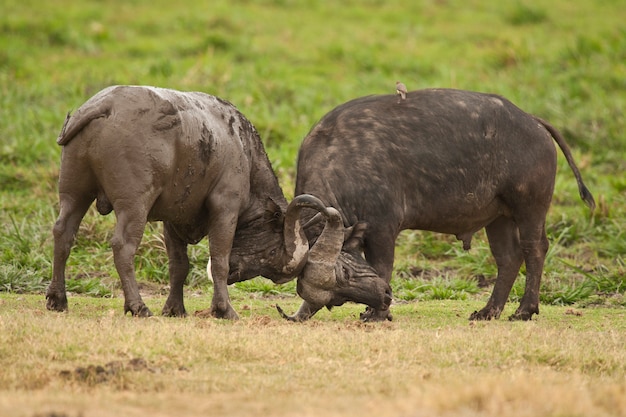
(442, 160)
(194, 162)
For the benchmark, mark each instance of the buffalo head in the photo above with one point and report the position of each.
(274, 246)
(336, 271)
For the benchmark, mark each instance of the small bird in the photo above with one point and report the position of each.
(401, 91)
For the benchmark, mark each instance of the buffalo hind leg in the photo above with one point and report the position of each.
(178, 271)
(129, 230)
(73, 209)
(505, 246)
(534, 247)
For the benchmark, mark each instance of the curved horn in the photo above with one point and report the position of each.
(320, 268)
(296, 243)
(314, 220)
(305, 312)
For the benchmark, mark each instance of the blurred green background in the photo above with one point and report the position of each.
(284, 64)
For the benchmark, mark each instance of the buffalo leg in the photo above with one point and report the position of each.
(222, 225)
(505, 246)
(73, 209)
(125, 241)
(379, 253)
(178, 270)
(534, 246)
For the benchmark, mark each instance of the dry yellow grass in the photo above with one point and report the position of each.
(430, 361)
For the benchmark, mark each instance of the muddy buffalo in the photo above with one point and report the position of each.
(196, 163)
(443, 160)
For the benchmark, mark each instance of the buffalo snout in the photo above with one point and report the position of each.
(371, 291)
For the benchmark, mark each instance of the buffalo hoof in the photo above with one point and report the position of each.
(485, 314)
(372, 315)
(139, 310)
(56, 302)
(174, 311)
(224, 312)
(523, 314)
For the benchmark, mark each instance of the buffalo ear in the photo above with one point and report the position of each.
(355, 237)
(274, 214)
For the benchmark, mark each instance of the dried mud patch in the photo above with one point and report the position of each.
(365, 326)
(55, 414)
(114, 371)
(203, 314)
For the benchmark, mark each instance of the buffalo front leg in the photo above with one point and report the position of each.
(221, 234)
(534, 247)
(64, 231)
(505, 246)
(379, 253)
(178, 270)
(126, 238)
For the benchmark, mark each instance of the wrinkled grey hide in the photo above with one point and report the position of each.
(192, 161)
(442, 160)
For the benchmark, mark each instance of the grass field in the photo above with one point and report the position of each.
(285, 63)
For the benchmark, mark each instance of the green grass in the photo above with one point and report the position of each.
(285, 64)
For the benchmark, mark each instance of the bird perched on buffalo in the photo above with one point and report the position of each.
(401, 91)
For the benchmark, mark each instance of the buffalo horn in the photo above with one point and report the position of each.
(296, 243)
(320, 268)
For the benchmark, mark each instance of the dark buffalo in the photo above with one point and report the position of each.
(442, 160)
(196, 163)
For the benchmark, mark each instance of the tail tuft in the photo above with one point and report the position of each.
(585, 194)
